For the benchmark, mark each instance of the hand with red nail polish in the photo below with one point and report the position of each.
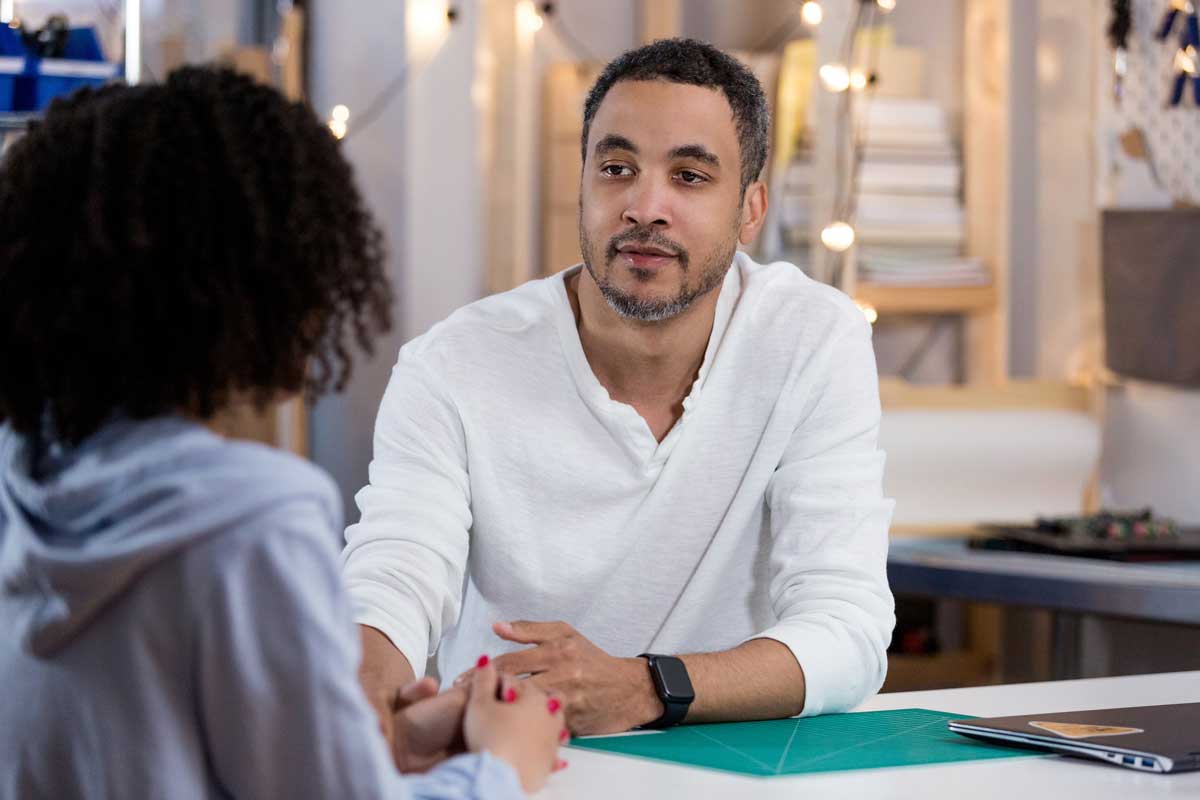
(513, 725)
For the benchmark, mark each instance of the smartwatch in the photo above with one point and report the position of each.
(674, 689)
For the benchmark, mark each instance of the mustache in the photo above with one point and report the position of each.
(647, 235)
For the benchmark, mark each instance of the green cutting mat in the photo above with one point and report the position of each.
(867, 740)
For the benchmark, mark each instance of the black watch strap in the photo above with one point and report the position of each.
(674, 689)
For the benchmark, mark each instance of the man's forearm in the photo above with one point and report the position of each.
(759, 679)
(384, 668)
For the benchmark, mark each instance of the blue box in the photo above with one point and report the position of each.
(60, 76)
(37, 81)
(12, 68)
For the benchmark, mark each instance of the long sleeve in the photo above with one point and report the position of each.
(829, 527)
(405, 559)
(277, 694)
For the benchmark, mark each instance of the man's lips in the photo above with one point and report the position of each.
(645, 250)
(646, 256)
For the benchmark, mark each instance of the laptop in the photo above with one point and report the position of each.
(1148, 738)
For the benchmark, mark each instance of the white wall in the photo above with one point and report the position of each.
(417, 166)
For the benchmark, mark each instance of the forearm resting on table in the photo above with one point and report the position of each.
(759, 679)
(383, 668)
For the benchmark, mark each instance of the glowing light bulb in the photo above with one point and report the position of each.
(835, 77)
(1186, 60)
(811, 13)
(869, 311)
(529, 21)
(340, 113)
(339, 128)
(858, 79)
(427, 20)
(886, 5)
(837, 236)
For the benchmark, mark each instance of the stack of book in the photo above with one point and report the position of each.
(909, 219)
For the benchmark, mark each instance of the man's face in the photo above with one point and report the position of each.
(660, 199)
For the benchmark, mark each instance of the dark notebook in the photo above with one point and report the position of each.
(1148, 738)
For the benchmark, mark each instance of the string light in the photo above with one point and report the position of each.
(1186, 60)
(858, 79)
(835, 77)
(428, 19)
(529, 21)
(339, 121)
(886, 6)
(811, 13)
(837, 236)
(869, 311)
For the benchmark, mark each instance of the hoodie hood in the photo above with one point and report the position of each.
(78, 526)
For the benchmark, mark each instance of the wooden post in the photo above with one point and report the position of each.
(993, 149)
(660, 19)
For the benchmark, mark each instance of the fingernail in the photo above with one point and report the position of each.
(482, 662)
(554, 705)
(560, 764)
(510, 696)
(564, 735)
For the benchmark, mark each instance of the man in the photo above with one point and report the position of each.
(670, 450)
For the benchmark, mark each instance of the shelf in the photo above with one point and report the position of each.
(949, 670)
(16, 120)
(925, 299)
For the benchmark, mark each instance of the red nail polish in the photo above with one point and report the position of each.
(561, 764)
(564, 735)
(482, 662)
(510, 695)
(554, 705)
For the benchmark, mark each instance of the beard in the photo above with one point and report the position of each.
(629, 306)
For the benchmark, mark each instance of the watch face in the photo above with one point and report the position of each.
(675, 681)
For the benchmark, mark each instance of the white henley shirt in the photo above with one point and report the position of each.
(507, 484)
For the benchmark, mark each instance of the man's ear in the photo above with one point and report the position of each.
(754, 212)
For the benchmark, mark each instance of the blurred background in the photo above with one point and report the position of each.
(1006, 187)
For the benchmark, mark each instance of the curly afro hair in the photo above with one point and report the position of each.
(174, 247)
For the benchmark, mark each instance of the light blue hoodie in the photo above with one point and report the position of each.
(176, 627)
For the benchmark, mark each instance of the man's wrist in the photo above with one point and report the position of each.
(645, 704)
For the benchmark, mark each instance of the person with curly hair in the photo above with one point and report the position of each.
(177, 623)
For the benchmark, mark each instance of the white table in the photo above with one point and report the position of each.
(593, 774)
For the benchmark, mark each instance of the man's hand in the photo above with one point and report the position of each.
(601, 693)
(427, 728)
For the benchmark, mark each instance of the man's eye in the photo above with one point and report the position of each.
(687, 176)
(616, 170)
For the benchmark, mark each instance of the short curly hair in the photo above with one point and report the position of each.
(174, 247)
(694, 63)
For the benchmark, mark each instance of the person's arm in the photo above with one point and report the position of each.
(405, 559)
(828, 584)
(280, 710)
(829, 528)
(383, 672)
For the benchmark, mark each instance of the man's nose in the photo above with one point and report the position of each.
(648, 203)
